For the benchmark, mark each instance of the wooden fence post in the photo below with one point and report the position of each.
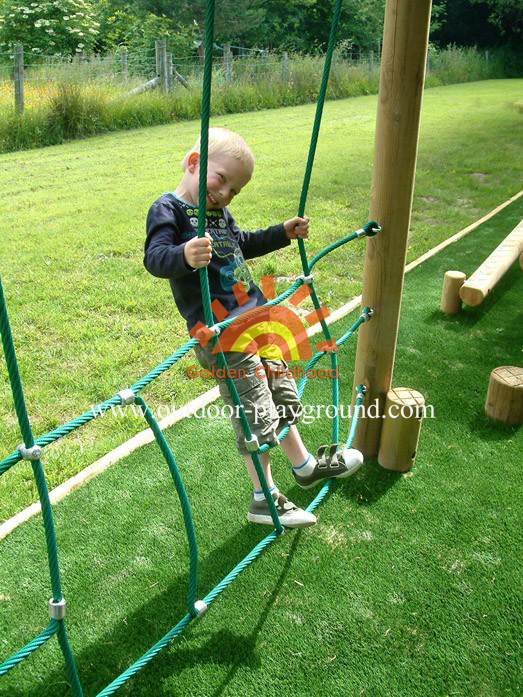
(18, 76)
(161, 64)
(125, 65)
(227, 58)
(285, 67)
(170, 75)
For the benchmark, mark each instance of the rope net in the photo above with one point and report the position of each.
(32, 447)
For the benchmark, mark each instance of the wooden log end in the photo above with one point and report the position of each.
(471, 295)
(505, 395)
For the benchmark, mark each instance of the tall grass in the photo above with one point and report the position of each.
(73, 109)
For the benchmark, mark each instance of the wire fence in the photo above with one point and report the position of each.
(27, 80)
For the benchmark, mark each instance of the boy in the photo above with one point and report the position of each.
(174, 251)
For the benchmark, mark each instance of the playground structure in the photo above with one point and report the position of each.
(473, 291)
(401, 86)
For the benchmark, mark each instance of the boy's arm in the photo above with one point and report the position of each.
(255, 244)
(164, 249)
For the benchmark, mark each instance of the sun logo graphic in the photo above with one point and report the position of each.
(269, 331)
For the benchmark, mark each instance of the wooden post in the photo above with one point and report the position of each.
(18, 75)
(521, 260)
(163, 66)
(505, 395)
(227, 57)
(200, 47)
(157, 51)
(285, 67)
(125, 64)
(169, 70)
(450, 300)
(474, 291)
(405, 41)
(401, 428)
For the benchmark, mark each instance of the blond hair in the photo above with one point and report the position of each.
(225, 142)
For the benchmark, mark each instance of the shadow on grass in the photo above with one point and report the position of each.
(122, 644)
(224, 646)
(489, 430)
(369, 484)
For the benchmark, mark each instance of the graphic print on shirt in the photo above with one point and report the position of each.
(225, 247)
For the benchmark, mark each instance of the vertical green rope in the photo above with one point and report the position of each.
(317, 123)
(41, 484)
(184, 501)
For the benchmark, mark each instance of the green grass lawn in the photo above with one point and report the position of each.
(88, 320)
(408, 584)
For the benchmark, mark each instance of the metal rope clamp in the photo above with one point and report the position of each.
(127, 396)
(215, 329)
(56, 609)
(33, 453)
(361, 391)
(306, 279)
(200, 606)
(367, 314)
(253, 444)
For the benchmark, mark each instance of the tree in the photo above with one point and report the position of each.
(48, 27)
(506, 15)
(132, 27)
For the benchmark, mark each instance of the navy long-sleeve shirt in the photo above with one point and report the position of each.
(171, 223)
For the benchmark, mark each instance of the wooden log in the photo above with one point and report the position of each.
(505, 395)
(401, 428)
(405, 41)
(474, 291)
(521, 260)
(450, 300)
(151, 84)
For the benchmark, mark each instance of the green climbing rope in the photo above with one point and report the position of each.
(57, 626)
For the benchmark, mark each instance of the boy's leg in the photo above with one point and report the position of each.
(266, 466)
(256, 397)
(294, 447)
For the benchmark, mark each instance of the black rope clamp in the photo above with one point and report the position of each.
(56, 609)
(33, 453)
(366, 314)
(200, 606)
(253, 444)
(127, 396)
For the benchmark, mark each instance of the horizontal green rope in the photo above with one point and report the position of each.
(29, 648)
(331, 248)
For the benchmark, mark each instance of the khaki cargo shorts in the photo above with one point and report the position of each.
(270, 399)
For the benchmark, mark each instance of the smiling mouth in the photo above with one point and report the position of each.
(212, 199)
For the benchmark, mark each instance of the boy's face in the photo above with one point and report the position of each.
(226, 177)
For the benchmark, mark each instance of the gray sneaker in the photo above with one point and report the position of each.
(290, 515)
(331, 463)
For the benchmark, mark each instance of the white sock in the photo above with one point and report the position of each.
(260, 496)
(307, 467)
